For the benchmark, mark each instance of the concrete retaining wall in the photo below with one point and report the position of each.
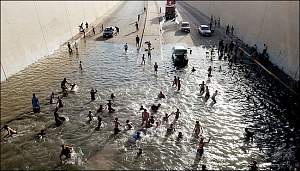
(275, 23)
(31, 30)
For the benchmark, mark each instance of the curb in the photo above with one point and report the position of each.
(141, 41)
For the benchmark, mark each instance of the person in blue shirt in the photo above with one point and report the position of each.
(137, 136)
(35, 104)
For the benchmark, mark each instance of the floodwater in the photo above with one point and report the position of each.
(252, 101)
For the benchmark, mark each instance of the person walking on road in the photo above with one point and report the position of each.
(155, 67)
(86, 25)
(138, 17)
(126, 47)
(232, 29)
(136, 26)
(117, 29)
(219, 24)
(137, 40)
(94, 30)
(227, 29)
(69, 47)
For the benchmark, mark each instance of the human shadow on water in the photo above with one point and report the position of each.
(196, 161)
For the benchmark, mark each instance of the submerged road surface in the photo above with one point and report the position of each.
(243, 100)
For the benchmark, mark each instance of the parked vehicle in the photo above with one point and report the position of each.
(185, 27)
(179, 56)
(109, 31)
(170, 12)
(204, 30)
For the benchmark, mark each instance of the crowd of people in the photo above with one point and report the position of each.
(147, 120)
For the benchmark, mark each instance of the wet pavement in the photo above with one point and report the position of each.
(243, 101)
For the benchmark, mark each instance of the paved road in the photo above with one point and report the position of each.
(124, 17)
(195, 18)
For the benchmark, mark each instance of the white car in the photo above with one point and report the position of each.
(204, 30)
(185, 26)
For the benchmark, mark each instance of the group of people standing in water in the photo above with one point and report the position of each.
(148, 120)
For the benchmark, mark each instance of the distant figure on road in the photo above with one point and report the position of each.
(155, 67)
(137, 40)
(138, 17)
(219, 24)
(102, 27)
(210, 25)
(126, 47)
(69, 47)
(117, 29)
(144, 9)
(86, 25)
(193, 69)
(81, 27)
(232, 30)
(216, 23)
(94, 30)
(265, 50)
(80, 65)
(227, 29)
(35, 104)
(136, 26)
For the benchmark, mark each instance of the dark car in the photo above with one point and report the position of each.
(109, 31)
